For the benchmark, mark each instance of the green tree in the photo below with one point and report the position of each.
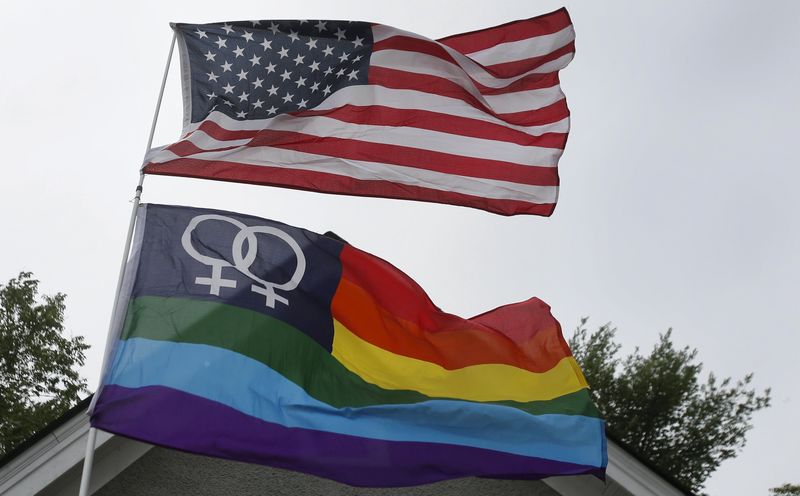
(786, 490)
(658, 405)
(38, 365)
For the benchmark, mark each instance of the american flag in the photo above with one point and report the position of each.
(475, 119)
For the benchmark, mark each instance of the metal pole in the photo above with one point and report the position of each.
(87, 462)
(86, 474)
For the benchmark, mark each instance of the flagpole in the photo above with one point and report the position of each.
(88, 459)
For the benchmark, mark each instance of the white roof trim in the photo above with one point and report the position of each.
(634, 476)
(624, 475)
(50, 460)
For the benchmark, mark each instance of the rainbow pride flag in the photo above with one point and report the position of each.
(248, 339)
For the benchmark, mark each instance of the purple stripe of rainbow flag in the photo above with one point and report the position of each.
(160, 417)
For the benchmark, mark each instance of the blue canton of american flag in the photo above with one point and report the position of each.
(258, 69)
(475, 119)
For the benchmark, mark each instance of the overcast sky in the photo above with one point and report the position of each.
(677, 208)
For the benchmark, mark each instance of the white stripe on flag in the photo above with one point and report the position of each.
(409, 137)
(474, 69)
(367, 95)
(524, 49)
(504, 103)
(423, 139)
(372, 171)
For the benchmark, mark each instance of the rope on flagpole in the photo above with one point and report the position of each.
(88, 459)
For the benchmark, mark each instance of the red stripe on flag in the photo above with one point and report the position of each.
(511, 69)
(408, 157)
(185, 148)
(529, 82)
(418, 45)
(335, 184)
(378, 115)
(513, 31)
(218, 132)
(539, 117)
(387, 308)
(503, 70)
(402, 80)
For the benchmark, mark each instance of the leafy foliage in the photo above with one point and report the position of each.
(786, 490)
(657, 405)
(38, 365)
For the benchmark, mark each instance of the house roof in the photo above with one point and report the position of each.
(50, 462)
(37, 436)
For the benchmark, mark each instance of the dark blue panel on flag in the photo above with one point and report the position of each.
(259, 69)
(240, 260)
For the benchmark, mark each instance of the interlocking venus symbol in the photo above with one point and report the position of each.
(243, 260)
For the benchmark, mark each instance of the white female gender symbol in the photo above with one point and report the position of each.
(243, 260)
(215, 281)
